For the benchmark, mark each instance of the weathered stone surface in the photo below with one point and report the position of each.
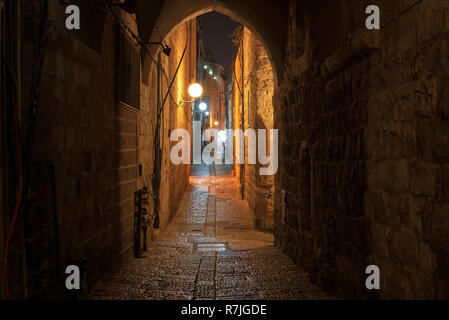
(377, 132)
(363, 147)
(252, 269)
(258, 104)
(96, 144)
(424, 179)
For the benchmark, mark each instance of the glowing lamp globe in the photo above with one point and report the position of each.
(203, 106)
(222, 135)
(195, 90)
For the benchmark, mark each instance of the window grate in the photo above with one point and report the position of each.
(129, 74)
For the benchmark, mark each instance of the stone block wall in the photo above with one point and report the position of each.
(406, 143)
(179, 112)
(258, 89)
(102, 150)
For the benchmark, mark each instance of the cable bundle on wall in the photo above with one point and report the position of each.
(12, 142)
(13, 148)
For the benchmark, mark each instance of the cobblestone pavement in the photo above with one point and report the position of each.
(211, 251)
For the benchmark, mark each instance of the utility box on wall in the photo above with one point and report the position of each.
(142, 220)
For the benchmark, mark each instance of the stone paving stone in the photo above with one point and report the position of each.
(211, 211)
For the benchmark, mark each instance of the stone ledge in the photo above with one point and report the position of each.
(358, 46)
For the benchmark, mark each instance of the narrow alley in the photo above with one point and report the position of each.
(211, 251)
(224, 149)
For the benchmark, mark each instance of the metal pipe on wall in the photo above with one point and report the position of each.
(19, 117)
(10, 138)
(2, 165)
(242, 168)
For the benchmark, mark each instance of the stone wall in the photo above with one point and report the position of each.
(102, 150)
(180, 113)
(406, 149)
(363, 134)
(257, 89)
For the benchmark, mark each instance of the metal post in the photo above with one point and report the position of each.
(2, 154)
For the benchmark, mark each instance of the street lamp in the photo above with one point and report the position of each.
(207, 113)
(165, 49)
(195, 91)
(203, 106)
(216, 123)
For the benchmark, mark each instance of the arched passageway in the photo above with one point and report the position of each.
(165, 15)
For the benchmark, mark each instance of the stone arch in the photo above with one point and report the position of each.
(257, 15)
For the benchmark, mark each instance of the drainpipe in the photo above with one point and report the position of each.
(19, 108)
(156, 177)
(10, 17)
(242, 166)
(2, 166)
(158, 144)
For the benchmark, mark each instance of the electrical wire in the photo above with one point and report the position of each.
(18, 151)
(18, 144)
(173, 80)
(140, 42)
(236, 79)
(15, 215)
(10, 71)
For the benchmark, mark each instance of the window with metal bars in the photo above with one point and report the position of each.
(129, 72)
